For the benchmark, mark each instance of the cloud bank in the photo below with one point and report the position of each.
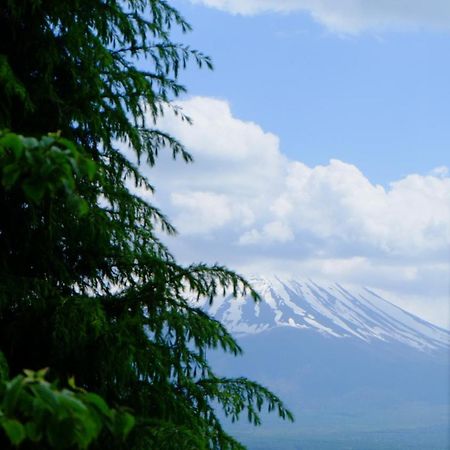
(350, 16)
(246, 204)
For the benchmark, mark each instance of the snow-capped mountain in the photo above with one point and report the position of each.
(344, 359)
(329, 309)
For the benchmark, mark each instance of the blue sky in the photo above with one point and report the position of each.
(321, 144)
(380, 100)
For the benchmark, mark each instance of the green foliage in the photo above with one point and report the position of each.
(4, 370)
(42, 167)
(33, 409)
(86, 287)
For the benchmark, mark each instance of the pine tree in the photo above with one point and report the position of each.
(87, 290)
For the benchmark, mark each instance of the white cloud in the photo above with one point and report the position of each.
(350, 16)
(440, 171)
(203, 212)
(226, 147)
(245, 204)
(337, 201)
(272, 232)
(240, 177)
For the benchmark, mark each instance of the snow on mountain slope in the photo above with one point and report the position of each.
(330, 310)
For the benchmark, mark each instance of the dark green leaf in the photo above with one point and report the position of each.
(14, 430)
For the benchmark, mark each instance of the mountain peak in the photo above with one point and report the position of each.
(330, 309)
